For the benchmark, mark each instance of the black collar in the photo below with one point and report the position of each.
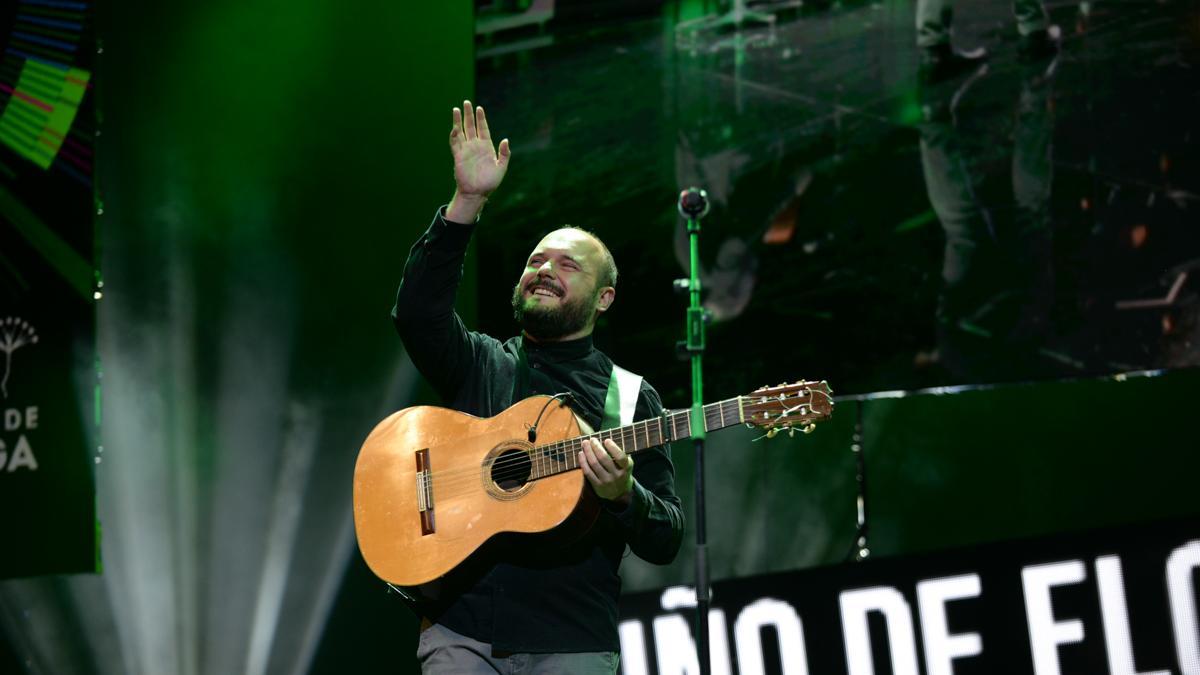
(559, 351)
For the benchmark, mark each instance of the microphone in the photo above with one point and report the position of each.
(693, 203)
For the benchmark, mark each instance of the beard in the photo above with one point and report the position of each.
(552, 323)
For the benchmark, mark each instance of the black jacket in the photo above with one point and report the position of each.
(563, 599)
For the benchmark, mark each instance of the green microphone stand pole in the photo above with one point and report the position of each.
(693, 205)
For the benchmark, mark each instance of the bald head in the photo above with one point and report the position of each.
(606, 273)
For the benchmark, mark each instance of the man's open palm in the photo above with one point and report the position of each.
(478, 168)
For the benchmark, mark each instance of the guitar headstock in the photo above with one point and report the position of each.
(787, 407)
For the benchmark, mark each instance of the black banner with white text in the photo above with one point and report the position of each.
(1121, 601)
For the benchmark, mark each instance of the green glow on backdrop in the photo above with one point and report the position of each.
(264, 166)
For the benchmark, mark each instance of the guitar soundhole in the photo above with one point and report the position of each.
(511, 470)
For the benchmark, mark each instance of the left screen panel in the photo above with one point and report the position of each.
(48, 287)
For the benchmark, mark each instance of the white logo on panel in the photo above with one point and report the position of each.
(15, 333)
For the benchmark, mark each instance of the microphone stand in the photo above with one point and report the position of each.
(693, 205)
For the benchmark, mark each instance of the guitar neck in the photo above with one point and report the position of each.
(561, 456)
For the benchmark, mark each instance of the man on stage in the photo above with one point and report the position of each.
(553, 610)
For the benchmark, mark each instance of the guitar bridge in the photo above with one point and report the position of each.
(425, 491)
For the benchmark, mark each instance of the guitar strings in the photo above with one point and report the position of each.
(513, 465)
(450, 483)
(522, 456)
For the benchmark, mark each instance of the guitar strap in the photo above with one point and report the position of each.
(621, 401)
(521, 381)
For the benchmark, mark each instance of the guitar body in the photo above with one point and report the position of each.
(438, 491)
(474, 473)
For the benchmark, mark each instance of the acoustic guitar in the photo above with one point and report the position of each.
(433, 485)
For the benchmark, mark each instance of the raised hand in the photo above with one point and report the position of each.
(478, 167)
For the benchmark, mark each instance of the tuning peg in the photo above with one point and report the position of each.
(810, 428)
(771, 432)
(791, 432)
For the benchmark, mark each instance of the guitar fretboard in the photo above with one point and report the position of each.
(561, 456)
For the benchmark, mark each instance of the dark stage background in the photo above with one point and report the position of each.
(1033, 222)
(265, 165)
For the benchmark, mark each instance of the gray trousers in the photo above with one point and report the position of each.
(441, 651)
(935, 16)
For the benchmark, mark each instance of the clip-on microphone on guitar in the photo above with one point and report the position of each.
(567, 399)
(693, 205)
